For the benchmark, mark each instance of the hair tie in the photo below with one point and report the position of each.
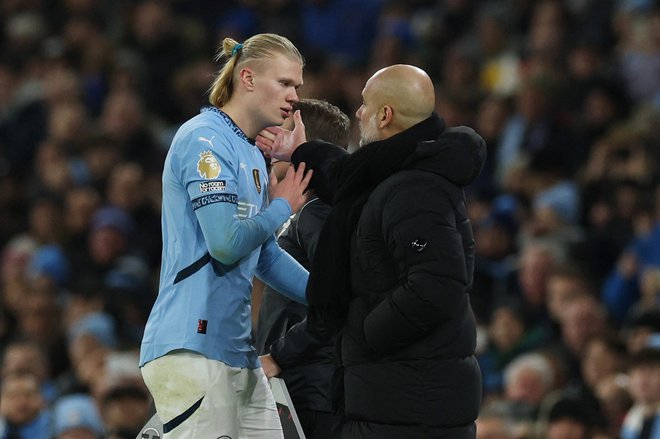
(236, 48)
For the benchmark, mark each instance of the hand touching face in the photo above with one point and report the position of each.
(279, 143)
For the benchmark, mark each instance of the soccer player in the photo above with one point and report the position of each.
(218, 222)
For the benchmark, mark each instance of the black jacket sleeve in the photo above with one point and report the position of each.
(325, 159)
(296, 346)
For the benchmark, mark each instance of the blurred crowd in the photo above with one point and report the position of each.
(566, 212)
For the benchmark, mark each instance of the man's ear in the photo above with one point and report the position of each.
(386, 114)
(246, 78)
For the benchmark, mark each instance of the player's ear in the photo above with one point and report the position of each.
(246, 78)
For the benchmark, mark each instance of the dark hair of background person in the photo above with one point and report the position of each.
(324, 121)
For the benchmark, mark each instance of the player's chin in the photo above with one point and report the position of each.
(285, 113)
(276, 121)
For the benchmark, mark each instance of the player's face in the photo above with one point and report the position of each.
(276, 83)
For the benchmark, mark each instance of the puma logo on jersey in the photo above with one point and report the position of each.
(204, 139)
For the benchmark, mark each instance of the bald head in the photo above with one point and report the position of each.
(405, 88)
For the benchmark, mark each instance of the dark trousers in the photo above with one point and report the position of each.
(370, 430)
(319, 425)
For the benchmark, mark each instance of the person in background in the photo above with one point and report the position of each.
(583, 320)
(508, 338)
(643, 419)
(527, 382)
(26, 355)
(614, 399)
(642, 330)
(75, 416)
(124, 409)
(305, 363)
(23, 411)
(491, 424)
(572, 418)
(219, 216)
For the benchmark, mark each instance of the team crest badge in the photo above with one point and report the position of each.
(207, 165)
(257, 179)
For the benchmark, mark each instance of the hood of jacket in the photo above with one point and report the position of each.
(458, 154)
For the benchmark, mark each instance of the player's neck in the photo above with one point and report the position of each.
(241, 117)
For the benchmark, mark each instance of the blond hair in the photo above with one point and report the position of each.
(256, 47)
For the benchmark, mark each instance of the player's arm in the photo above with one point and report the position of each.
(282, 272)
(229, 238)
(207, 167)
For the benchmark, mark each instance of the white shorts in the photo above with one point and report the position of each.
(200, 398)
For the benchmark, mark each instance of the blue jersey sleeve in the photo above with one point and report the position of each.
(230, 238)
(208, 170)
(282, 272)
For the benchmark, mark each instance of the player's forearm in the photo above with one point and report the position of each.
(230, 238)
(282, 272)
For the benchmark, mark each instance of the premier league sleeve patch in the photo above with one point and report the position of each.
(208, 166)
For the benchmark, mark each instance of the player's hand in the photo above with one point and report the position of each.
(270, 367)
(279, 143)
(292, 187)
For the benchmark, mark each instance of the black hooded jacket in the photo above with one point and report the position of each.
(392, 271)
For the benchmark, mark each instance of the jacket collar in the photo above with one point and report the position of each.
(376, 161)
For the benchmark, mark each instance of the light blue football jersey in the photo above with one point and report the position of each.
(215, 203)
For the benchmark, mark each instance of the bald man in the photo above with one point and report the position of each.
(394, 261)
(403, 88)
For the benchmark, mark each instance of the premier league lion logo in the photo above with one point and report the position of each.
(208, 166)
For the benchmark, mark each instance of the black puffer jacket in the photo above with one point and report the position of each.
(408, 334)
